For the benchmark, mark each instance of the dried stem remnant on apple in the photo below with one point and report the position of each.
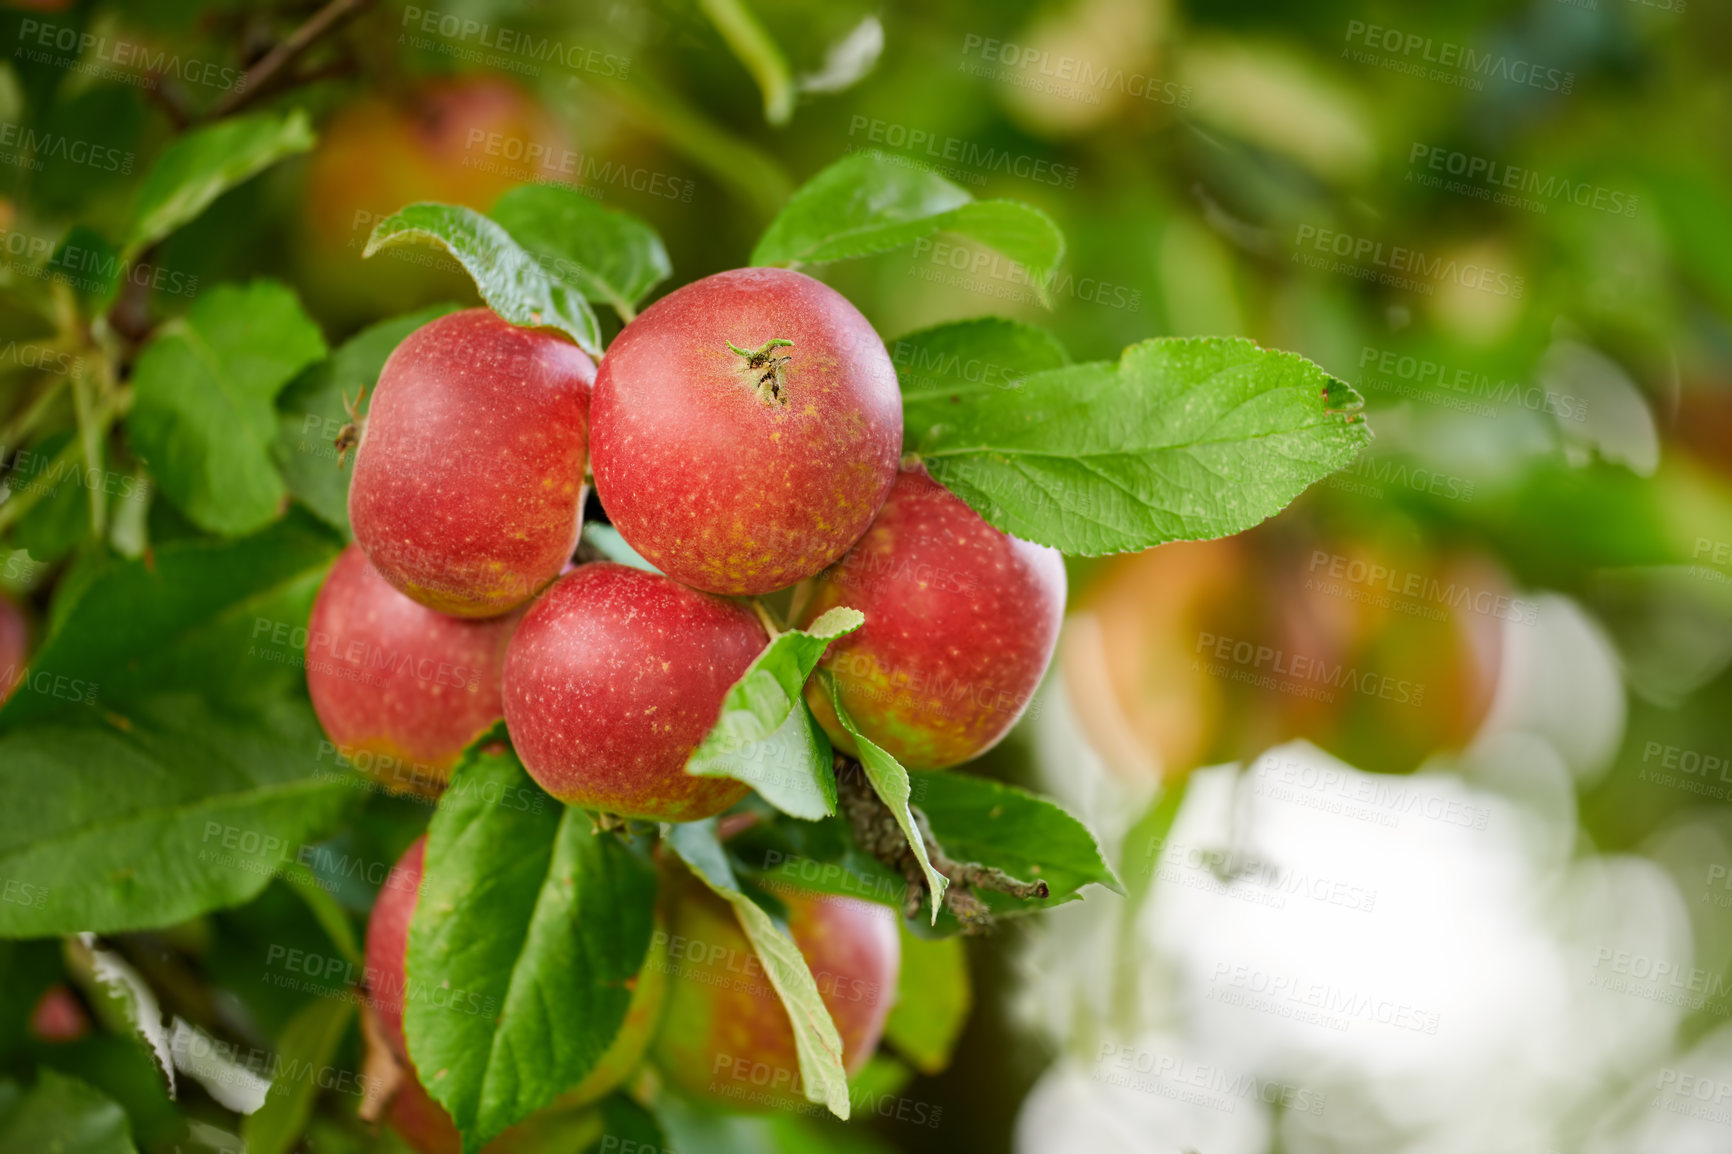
(349, 436)
(768, 364)
(876, 832)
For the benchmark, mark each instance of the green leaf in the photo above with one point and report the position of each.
(63, 1115)
(614, 547)
(1027, 836)
(611, 257)
(860, 205)
(311, 411)
(1184, 439)
(987, 357)
(815, 1038)
(326, 910)
(867, 203)
(933, 998)
(205, 163)
(88, 262)
(753, 47)
(202, 412)
(690, 1126)
(158, 817)
(59, 518)
(510, 280)
(627, 1126)
(890, 782)
(1020, 231)
(883, 1076)
(529, 929)
(1139, 862)
(121, 1000)
(766, 737)
(138, 627)
(306, 1050)
(819, 856)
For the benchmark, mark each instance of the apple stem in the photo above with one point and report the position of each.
(349, 436)
(766, 619)
(877, 832)
(759, 357)
(762, 360)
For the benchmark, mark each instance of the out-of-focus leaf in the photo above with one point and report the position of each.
(753, 46)
(304, 1057)
(933, 998)
(62, 1115)
(627, 1126)
(614, 547)
(122, 999)
(202, 416)
(205, 163)
(868, 203)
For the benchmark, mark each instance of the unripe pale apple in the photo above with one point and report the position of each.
(613, 679)
(725, 1036)
(745, 430)
(391, 678)
(961, 620)
(468, 487)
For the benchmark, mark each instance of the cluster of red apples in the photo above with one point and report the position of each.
(744, 434)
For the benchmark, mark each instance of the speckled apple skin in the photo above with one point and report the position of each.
(390, 676)
(719, 487)
(611, 681)
(387, 953)
(725, 1035)
(468, 487)
(387, 949)
(961, 621)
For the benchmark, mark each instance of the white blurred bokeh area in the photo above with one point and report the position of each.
(1328, 959)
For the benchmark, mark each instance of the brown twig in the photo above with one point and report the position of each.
(167, 96)
(259, 77)
(877, 832)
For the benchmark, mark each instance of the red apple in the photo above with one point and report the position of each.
(468, 488)
(725, 1035)
(456, 140)
(746, 429)
(413, 1113)
(14, 646)
(388, 942)
(59, 1016)
(961, 620)
(1374, 646)
(422, 1122)
(391, 678)
(611, 681)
